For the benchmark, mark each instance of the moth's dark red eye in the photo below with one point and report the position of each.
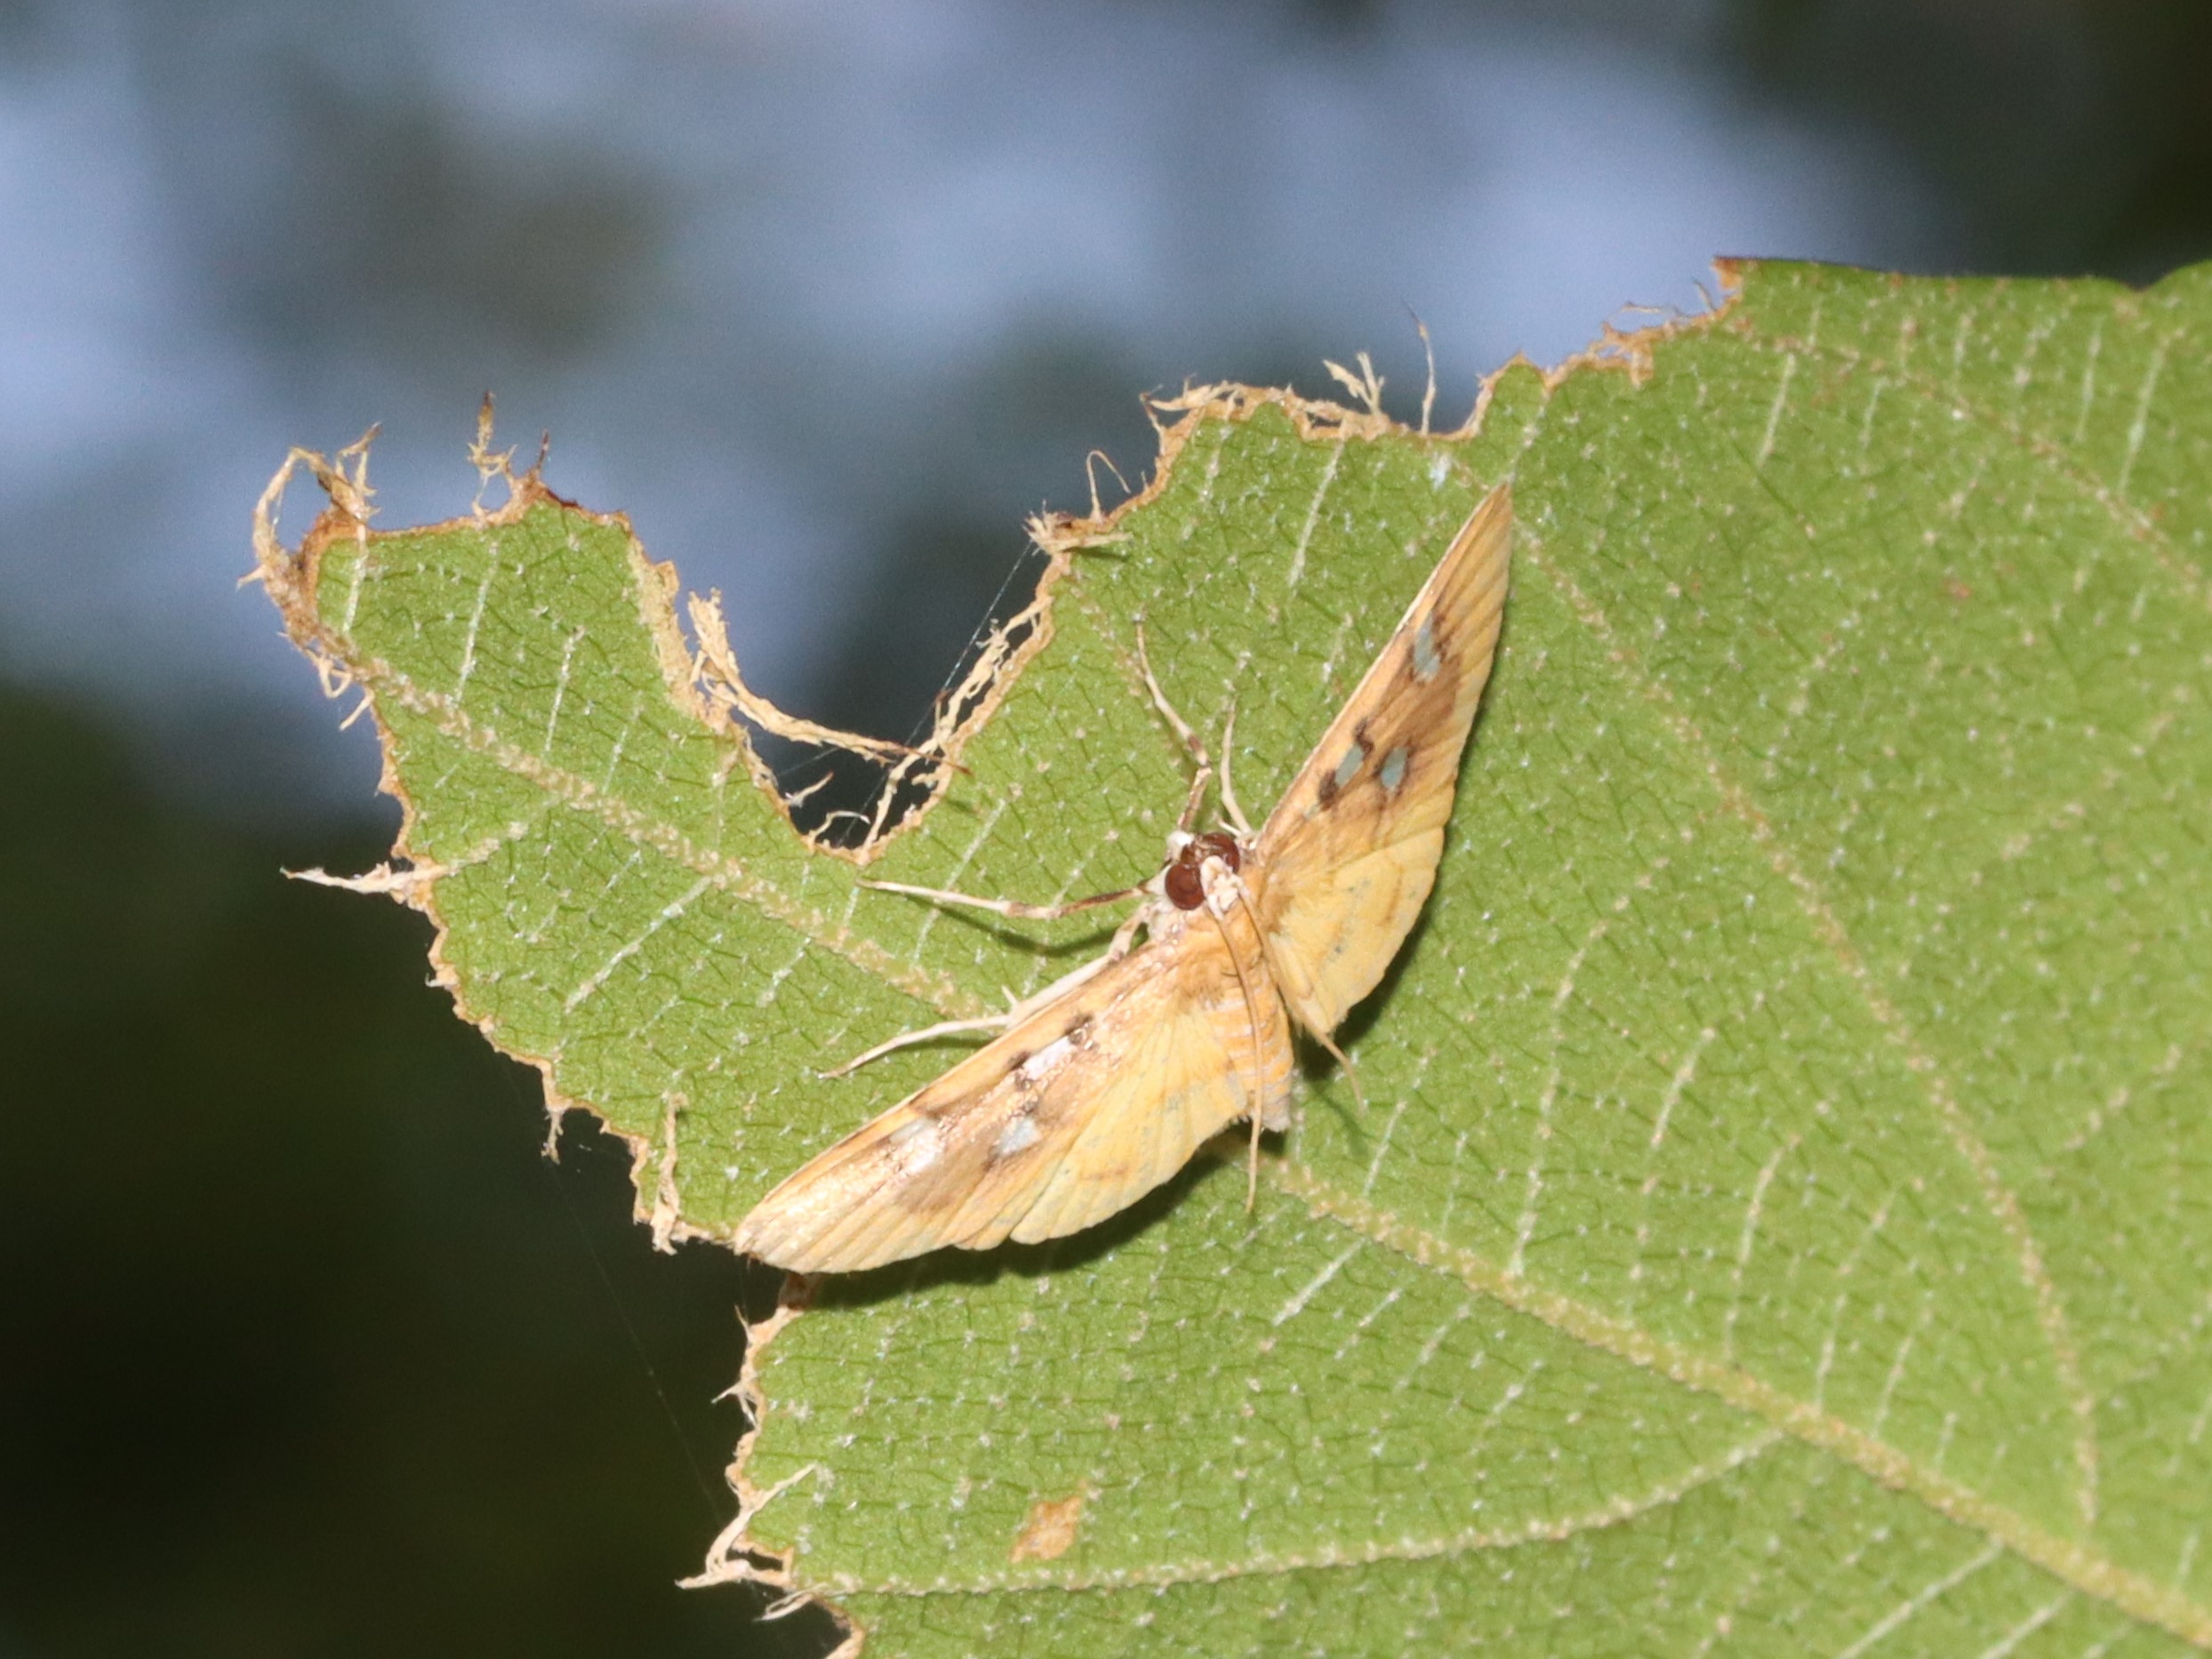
(1185, 888)
(1185, 891)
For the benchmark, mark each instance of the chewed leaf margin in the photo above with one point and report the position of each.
(703, 683)
(736, 1556)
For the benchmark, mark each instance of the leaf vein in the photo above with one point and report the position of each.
(2136, 523)
(1913, 1605)
(2002, 1202)
(2066, 1559)
(645, 832)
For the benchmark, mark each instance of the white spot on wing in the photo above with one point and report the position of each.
(1019, 1134)
(1394, 768)
(920, 1143)
(1427, 662)
(1348, 768)
(1047, 1059)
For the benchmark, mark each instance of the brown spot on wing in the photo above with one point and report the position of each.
(1332, 923)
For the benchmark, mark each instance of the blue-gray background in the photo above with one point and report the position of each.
(305, 1348)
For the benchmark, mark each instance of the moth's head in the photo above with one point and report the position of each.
(1183, 881)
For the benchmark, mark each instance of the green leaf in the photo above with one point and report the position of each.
(1783, 1214)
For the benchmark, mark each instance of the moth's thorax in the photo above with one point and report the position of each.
(1183, 881)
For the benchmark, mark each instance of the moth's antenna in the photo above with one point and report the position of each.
(1199, 781)
(1176, 723)
(1229, 790)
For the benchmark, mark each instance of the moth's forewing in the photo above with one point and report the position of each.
(1348, 857)
(1072, 1115)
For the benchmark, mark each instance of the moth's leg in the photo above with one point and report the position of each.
(1199, 781)
(1351, 1075)
(1190, 742)
(1124, 938)
(1016, 1012)
(1228, 790)
(1181, 726)
(1013, 907)
(907, 1039)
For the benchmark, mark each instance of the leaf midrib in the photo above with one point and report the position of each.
(2087, 1570)
(2001, 1202)
(2081, 1567)
(618, 816)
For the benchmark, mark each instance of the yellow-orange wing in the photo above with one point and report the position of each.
(1073, 1114)
(1346, 860)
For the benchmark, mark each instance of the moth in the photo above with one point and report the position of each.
(1102, 1086)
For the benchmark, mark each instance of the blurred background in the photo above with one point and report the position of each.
(304, 1346)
